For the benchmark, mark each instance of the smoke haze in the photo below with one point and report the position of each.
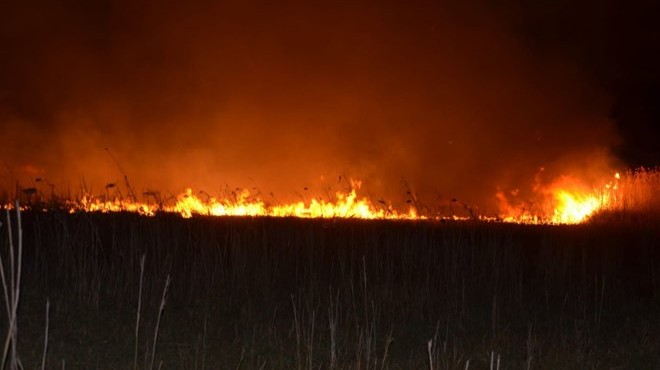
(448, 99)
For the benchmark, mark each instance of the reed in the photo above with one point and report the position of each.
(397, 294)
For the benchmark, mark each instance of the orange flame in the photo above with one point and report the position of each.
(345, 205)
(566, 200)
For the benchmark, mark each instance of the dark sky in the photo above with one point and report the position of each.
(454, 99)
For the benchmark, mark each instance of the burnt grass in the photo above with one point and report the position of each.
(295, 293)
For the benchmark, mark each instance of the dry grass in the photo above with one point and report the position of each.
(638, 190)
(340, 294)
(636, 198)
(11, 287)
(346, 294)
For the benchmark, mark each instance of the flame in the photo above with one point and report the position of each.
(345, 205)
(565, 200)
(573, 208)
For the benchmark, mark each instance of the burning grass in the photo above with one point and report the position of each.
(569, 200)
(564, 200)
(350, 286)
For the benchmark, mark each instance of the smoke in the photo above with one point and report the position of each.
(444, 100)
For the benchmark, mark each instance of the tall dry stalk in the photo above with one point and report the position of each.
(388, 342)
(163, 300)
(5, 289)
(297, 328)
(429, 348)
(333, 313)
(310, 343)
(12, 291)
(43, 357)
(139, 307)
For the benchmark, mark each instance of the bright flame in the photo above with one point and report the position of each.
(566, 200)
(574, 208)
(345, 205)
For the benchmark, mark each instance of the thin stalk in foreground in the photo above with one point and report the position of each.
(43, 357)
(139, 307)
(160, 313)
(14, 291)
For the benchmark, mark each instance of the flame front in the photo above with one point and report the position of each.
(566, 200)
(345, 205)
(574, 208)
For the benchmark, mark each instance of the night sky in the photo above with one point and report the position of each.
(452, 99)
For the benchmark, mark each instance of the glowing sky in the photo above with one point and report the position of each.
(450, 100)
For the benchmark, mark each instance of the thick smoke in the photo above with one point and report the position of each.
(447, 101)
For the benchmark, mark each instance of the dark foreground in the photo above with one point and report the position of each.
(290, 293)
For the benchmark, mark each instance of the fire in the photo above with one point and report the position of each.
(187, 204)
(565, 200)
(574, 208)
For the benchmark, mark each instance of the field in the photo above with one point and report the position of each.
(329, 293)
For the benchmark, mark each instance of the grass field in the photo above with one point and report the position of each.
(311, 293)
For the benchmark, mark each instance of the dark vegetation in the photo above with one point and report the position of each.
(292, 293)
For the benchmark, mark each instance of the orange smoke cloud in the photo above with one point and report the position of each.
(444, 102)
